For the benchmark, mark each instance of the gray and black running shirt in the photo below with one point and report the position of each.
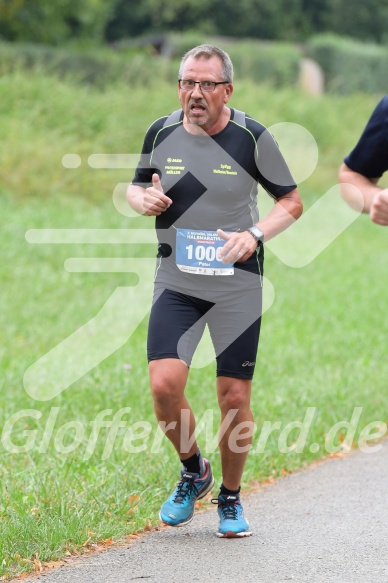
(213, 183)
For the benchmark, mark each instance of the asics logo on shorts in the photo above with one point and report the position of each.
(247, 363)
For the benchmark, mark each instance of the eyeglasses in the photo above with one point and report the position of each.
(206, 86)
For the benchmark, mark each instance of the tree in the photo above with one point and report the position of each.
(45, 21)
(367, 21)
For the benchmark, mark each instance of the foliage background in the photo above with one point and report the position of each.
(89, 76)
(96, 21)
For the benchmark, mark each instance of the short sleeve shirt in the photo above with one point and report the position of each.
(370, 156)
(213, 183)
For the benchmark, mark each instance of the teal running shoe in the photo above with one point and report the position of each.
(178, 509)
(232, 521)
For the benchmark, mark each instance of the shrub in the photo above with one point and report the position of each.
(350, 66)
(99, 68)
(273, 63)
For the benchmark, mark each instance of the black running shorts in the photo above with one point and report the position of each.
(177, 322)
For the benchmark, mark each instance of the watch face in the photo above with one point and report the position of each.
(259, 236)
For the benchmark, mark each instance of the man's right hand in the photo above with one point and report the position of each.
(155, 202)
(379, 208)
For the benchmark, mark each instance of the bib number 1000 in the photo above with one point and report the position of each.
(204, 253)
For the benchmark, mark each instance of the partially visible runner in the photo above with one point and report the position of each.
(365, 165)
(199, 175)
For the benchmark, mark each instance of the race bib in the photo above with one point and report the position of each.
(198, 252)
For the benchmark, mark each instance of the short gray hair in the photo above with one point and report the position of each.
(209, 51)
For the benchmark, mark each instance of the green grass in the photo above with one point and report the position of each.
(323, 342)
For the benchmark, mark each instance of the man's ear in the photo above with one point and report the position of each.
(228, 92)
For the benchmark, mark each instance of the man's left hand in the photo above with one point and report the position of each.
(238, 247)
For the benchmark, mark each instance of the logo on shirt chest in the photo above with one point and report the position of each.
(225, 169)
(174, 166)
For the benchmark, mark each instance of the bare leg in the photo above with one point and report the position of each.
(168, 377)
(235, 394)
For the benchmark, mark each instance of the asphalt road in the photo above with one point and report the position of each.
(326, 524)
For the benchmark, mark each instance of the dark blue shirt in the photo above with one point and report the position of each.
(370, 156)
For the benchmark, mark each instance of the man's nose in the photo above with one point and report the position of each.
(197, 93)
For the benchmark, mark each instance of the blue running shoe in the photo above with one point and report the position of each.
(232, 521)
(178, 509)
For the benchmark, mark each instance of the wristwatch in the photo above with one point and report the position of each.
(256, 234)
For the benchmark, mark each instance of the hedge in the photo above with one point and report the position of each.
(350, 66)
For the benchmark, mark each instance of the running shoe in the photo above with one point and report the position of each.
(232, 521)
(178, 509)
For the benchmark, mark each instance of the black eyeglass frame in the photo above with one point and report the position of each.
(214, 84)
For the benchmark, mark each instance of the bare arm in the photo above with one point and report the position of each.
(362, 193)
(285, 212)
(148, 201)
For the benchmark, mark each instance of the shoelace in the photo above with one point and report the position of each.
(184, 488)
(228, 509)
